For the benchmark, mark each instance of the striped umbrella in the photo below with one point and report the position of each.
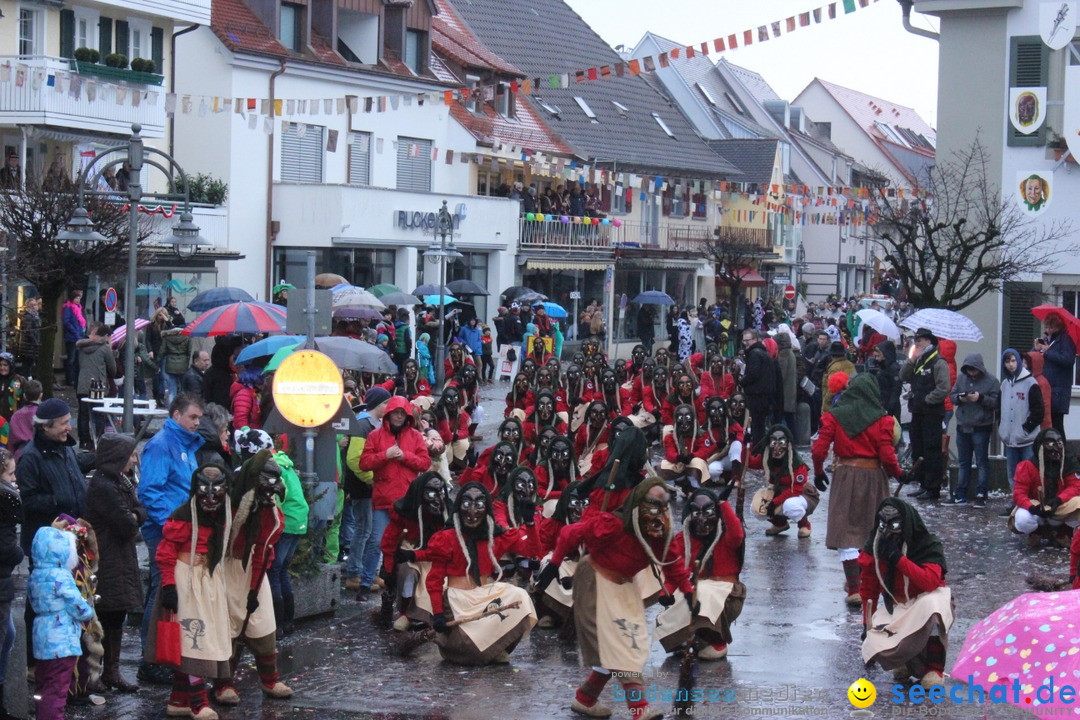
(120, 333)
(239, 317)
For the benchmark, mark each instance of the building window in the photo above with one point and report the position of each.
(360, 266)
(663, 125)
(302, 154)
(31, 25)
(414, 50)
(360, 158)
(472, 82)
(86, 28)
(1029, 66)
(504, 100)
(586, 109)
(1070, 300)
(290, 32)
(413, 164)
(139, 40)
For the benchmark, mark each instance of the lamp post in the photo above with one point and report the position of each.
(81, 235)
(440, 252)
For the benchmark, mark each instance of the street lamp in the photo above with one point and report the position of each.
(81, 235)
(440, 252)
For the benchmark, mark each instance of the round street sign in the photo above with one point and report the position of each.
(308, 388)
(789, 292)
(110, 300)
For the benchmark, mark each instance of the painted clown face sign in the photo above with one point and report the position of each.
(1034, 191)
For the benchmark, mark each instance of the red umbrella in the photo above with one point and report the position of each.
(1072, 325)
(239, 317)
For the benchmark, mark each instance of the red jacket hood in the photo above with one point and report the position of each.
(1036, 359)
(398, 402)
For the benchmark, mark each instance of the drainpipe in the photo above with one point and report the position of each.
(172, 84)
(905, 6)
(270, 232)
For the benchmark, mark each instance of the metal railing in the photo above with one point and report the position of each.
(692, 238)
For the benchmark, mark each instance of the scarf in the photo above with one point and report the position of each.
(860, 405)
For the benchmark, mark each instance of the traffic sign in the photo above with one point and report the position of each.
(789, 292)
(308, 388)
(110, 300)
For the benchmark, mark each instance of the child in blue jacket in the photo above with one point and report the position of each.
(60, 610)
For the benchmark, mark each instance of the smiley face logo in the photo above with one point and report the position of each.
(862, 693)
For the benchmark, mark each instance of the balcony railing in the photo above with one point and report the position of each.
(555, 235)
(38, 102)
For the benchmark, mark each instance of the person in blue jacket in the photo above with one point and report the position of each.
(1059, 355)
(470, 335)
(168, 461)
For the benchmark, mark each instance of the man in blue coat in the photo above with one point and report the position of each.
(168, 461)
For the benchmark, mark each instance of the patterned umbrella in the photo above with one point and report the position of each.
(241, 317)
(120, 333)
(353, 296)
(653, 297)
(358, 312)
(1033, 639)
(216, 297)
(266, 347)
(943, 323)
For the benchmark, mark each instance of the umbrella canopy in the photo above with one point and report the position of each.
(352, 296)
(329, 280)
(358, 312)
(1031, 639)
(252, 318)
(1072, 325)
(148, 290)
(555, 310)
(120, 333)
(943, 323)
(429, 289)
(179, 286)
(283, 286)
(383, 289)
(522, 294)
(279, 355)
(466, 287)
(399, 298)
(267, 347)
(439, 300)
(653, 297)
(352, 354)
(880, 322)
(216, 297)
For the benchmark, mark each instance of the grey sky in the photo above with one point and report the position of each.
(868, 50)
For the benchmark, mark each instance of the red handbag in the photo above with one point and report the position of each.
(167, 648)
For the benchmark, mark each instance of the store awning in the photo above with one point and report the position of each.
(750, 277)
(532, 264)
(661, 264)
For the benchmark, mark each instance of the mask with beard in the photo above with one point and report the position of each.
(654, 520)
(270, 484)
(211, 487)
(704, 517)
(474, 508)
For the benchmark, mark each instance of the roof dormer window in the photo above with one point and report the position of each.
(290, 27)
(586, 109)
(663, 125)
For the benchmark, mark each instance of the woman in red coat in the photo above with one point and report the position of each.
(244, 395)
(861, 435)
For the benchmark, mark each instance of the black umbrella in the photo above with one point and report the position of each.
(430, 289)
(520, 292)
(466, 287)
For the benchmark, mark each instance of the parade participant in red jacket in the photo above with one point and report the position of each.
(592, 435)
(510, 431)
(616, 397)
(601, 455)
(455, 360)
(408, 384)
(520, 398)
(904, 564)
(1045, 491)
(547, 380)
(713, 548)
(717, 382)
(542, 415)
(861, 436)
(466, 559)
(787, 475)
(609, 488)
(556, 602)
(454, 427)
(683, 461)
(637, 361)
(720, 442)
(557, 469)
(495, 474)
(618, 547)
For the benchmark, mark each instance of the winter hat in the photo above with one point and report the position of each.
(772, 347)
(838, 382)
(375, 397)
(836, 349)
(250, 441)
(383, 338)
(51, 409)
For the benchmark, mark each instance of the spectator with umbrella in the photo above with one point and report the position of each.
(1058, 348)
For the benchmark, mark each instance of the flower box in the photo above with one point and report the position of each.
(116, 74)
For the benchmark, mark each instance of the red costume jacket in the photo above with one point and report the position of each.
(920, 579)
(788, 489)
(1028, 486)
(502, 516)
(448, 366)
(712, 387)
(667, 410)
(448, 559)
(581, 439)
(421, 388)
(459, 432)
(529, 431)
(175, 539)
(875, 442)
(522, 403)
(271, 525)
(612, 548)
(401, 529)
(671, 450)
(725, 556)
(542, 483)
(480, 475)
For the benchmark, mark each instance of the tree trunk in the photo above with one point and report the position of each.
(51, 327)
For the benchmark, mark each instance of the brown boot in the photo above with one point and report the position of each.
(110, 674)
(852, 581)
(778, 526)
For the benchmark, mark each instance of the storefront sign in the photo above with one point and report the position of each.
(426, 221)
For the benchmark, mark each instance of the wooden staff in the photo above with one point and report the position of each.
(410, 641)
(900, 480)
(610, 480)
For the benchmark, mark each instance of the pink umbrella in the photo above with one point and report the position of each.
(120, 333)
(1033, 639)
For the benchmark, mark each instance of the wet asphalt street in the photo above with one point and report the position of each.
(795, 650)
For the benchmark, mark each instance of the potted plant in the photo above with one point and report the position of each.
(116, 68)
(143, 65)
(87, 55)
(116, 60)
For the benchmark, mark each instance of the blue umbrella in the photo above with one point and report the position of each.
(266, 347)
(216, 297)
(554, 310)
(653, 297)
(437, 300)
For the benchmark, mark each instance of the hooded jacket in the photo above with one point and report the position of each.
(788, 371)
(168, 461)
(981, 414)
(96, 362)
(887, 374)
(54, 596)
(11, 554)
(1022, 406)
(1037, 362)
(217, 380)
(760, 373)
(212, 451)
(391, 477)
(50, 483)
(928, 374)
(115, 513)
(295, 505)
(176, 349)
(921, 568)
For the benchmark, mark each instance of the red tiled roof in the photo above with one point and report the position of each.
(866, 110)
(241, 31)
(525, 129)
(451, 37)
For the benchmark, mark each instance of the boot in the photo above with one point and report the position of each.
(289, 612)
(225, 692)
(779, 525)
(587, 700)
(804, 528)
(852, 581)
(266, 666)
(179, 705)
(200, 706)
(945, 440)
(110, 674)
(713, 652)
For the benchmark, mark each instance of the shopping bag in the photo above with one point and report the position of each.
(167, 649)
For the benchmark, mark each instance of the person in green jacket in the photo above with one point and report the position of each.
(295, 509)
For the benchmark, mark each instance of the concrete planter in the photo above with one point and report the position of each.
(317, 595)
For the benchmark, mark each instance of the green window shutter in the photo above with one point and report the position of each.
(67, 33)
(1029, 63)
(122, 37)
(105, 36)
(157, 50)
